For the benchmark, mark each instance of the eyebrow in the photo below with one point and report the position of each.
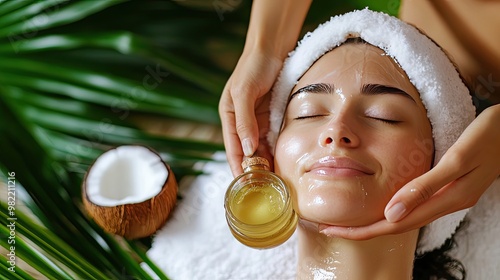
(383, 89)
(314, 88)
(369, 89)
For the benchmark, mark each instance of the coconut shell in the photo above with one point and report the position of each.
(135, 220)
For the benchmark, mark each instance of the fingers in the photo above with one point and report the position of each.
(358, 233)
(232, 144)
(234, 152)
(465, 161)
(239, 125)
(422, 188)
(434, 208)
(242, 100)
(453, 197)
(246, 123)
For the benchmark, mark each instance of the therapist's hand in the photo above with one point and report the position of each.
(244, 107)
(457, 182)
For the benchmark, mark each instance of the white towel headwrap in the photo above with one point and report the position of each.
(443, 93)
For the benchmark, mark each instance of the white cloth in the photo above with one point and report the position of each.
(196, 242)
(443, 93)
(478, 244)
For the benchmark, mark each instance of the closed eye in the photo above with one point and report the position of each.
(389, 121)
(308, 117)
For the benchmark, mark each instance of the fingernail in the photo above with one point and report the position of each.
(326, 230)
(247, 147)
(395, 213)
(322, 227)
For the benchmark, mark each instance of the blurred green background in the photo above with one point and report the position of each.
(80, 77)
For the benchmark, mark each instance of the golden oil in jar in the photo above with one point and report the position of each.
(259, 207)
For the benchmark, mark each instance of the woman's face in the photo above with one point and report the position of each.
(354, 132)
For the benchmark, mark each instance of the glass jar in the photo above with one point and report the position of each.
(258, 205)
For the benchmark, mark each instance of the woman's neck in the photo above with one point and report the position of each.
(385, 257)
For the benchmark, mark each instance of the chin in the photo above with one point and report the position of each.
(349, 214)
(343, 202)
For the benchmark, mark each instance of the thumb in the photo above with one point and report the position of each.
(417, 191)
(246, 124)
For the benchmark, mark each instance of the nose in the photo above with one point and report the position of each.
(339, 133)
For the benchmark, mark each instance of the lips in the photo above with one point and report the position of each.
(339, 167)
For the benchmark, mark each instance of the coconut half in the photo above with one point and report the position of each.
(129, 191)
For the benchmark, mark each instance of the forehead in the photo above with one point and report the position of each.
(356, 63)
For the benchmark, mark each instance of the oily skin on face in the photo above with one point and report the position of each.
(352, 135)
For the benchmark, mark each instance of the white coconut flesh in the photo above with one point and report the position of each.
(125, 175)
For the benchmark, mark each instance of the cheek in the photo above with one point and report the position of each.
(289, 154)
(289, 150)
(403, 163)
